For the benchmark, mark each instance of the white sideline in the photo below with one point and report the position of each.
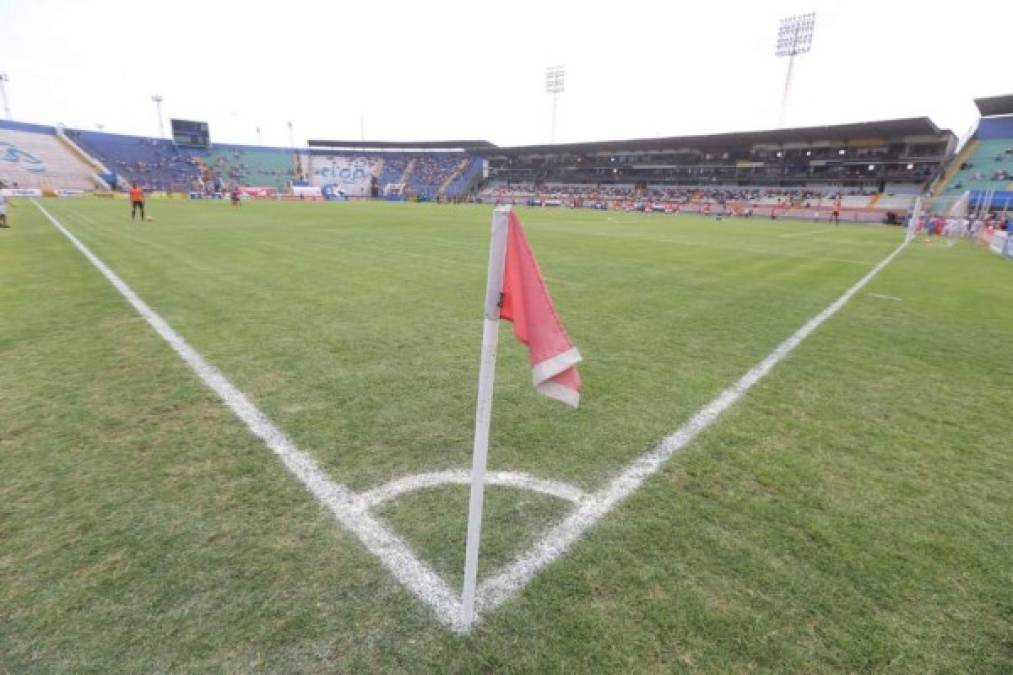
(345, 505)
(351, 509)
(500, 587)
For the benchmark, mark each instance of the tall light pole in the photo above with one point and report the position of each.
(3, 95)
(555, 84)
(259, 141)
(794, 37)
(291, 135)
(157, 98)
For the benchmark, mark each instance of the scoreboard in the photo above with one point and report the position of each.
(188, 132)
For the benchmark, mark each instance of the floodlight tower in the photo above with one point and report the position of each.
(291, 135)
(794, 37)
(157, 99)
(555, 84)
(3, 95)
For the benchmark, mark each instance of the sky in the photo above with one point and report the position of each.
(393, 70)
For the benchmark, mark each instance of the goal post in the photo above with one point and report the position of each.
(967, 215)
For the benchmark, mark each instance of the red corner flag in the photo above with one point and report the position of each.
(526, 303)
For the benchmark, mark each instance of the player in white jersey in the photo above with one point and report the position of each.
(3, 210)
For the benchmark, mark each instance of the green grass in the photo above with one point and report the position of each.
(852, 514)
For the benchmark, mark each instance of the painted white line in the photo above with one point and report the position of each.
(351, 509)
(885, 297)
(345, 505)
(502, 586)
(513, 479)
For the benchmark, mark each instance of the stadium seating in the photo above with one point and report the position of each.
(32, 156)
(466, 176)
(989, 167)
(255, 166)
(430, 171)
(394, 166)
(985, 163)
(157, 164)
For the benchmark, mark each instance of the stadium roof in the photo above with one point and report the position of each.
(412, 145)
(995, 105)
(911, 126)
(841, 132)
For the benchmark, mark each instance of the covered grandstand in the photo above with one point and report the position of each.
(891, 155)
(872, 167)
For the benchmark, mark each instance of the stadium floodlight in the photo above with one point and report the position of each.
(291, 135)
(157, 99)
(259, 140)
(555, 84)
(3, 95)
(794, 37)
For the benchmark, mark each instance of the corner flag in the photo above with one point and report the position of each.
(515, 291)
(526, 303)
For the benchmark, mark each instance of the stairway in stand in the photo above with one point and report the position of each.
(407, 172)
(461, 166)
(954, 167)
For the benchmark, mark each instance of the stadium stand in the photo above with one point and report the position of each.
(393, 168)
(868, 168)
(983, 169)
(463, 179)
(353, 174)
(33, 156)
(252, 165)
(867, 156)
(989, 163)
(884, 163)
(428, 170)
(155, 163)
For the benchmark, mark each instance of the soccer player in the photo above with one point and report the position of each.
(235, 195)
(3, 210)
(836, 217)
(136, 201)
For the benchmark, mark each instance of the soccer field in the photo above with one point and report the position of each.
(852, 512)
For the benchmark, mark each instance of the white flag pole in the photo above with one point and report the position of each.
(483, 409)
(916, 215)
